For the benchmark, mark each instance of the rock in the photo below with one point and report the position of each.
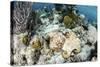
(56, 59)
(18, 59)
(51, 28)
(94, 59)
(86, 36)
(91, 34)
(57, 18)
(19, 40)
(45, 20)
(84, 54)
(19, 49)
(59, 59)
(30, 54)
(43, 15)
(45, 51)
(82, 16)
(42, 59)
(80, 33)
(79, 30)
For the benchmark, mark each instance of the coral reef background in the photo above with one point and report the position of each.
(49, 33)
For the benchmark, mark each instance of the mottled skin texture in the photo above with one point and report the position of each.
(71, 43)
(56, 40)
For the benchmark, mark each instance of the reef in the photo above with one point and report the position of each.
(55, 36)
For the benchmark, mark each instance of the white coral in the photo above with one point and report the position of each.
(19, 49)
(30, 52)
(85, 53)
(55, 59)
(91, 34)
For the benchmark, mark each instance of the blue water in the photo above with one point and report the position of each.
(42, 5)
(89, 11)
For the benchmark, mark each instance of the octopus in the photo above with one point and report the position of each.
(57, 40)
(71, 45)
